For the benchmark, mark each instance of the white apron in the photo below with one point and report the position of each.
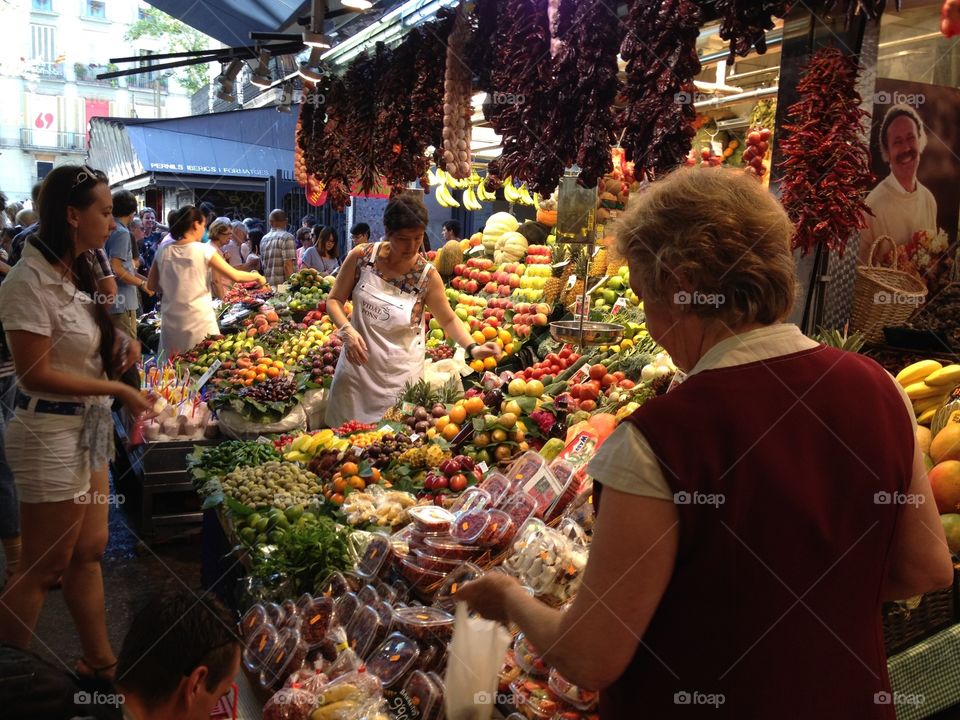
(395, 350)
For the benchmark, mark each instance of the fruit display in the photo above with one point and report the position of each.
(251, 294)
(273, 484)
(321, 362)
(928, 384)
(382, 509)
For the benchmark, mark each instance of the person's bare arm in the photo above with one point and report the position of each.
(919, 558)
(31, 356)
(220, 265)
(342, 291)
(631, 561)
(436, 301)
(153, 279)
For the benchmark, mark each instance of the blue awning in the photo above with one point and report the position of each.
(239, 144)
(232, 21)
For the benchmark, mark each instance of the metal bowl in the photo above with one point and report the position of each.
(594, 333)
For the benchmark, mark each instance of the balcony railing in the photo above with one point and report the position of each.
(53, 70)
(53, 139)
(145, 82)
(88, 73)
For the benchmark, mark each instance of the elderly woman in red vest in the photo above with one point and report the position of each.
(752, 520)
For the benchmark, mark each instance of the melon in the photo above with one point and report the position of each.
(946, 445)
(510, 247)
(448, 258)
(924, 438)
(951, 528)
(945, 483)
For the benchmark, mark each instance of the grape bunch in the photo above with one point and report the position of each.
(383, 452)
(278, 389)
(758, 142)
(440, 352)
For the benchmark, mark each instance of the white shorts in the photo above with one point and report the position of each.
(44, 452)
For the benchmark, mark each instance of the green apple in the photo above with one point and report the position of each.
(437, 333)
(434, 324)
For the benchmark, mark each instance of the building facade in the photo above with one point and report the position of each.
(53, 52)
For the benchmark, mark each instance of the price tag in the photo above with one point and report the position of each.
(482, 467)
(717, 147)
(596, 250)
(356, 450)
(561, 264)
(475, 250)
(578, 307)
(571, 281)
(407, 408)
(580, 375)
(207, 375)
(414, 437)
(619, 305)
(386, 429)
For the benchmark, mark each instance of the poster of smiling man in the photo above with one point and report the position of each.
(915, 147)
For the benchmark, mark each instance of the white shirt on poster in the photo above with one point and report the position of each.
(898, 213)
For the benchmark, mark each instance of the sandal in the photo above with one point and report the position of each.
(97, 673)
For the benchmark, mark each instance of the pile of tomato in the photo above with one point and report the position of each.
(551, 366)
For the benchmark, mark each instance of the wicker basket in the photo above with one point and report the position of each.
(903, 627)
(884, 296)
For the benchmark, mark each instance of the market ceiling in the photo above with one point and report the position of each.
(232, 21)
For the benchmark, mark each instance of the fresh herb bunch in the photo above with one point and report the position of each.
(308, 554)
(206, 463)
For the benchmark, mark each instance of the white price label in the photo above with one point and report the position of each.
(386, 429)
(619, 305)
(717, 147)
(482, 467)
(601, 282)
(282, 288)
(414, 437)
(561, 264)
(596, 250)
(207, 375)
(571, 281)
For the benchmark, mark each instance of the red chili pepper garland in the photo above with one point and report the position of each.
(826, 170)
(661, 56)
(744, 23)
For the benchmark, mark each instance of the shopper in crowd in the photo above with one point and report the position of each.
(251, 253)
(389, 283)
(360, 234)
(6, 245)
(179, 658)
(309, 222)
(209, 211)
(221, 234)
(451, 231)
(278, 250)
(304, 240)
(136, 237)
(774, 509)
(321, 255)
(179, 273)
(240, 233)
(119, 249)
(152, 235)
(25, 230)
(61, 437)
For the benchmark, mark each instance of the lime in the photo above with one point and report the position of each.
(262, 525)
(294, 512)
(252, 519)
(248, 535)
(277, 536)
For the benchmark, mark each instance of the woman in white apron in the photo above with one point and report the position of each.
(389, 283)
(180, 271)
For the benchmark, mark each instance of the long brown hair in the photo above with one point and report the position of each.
(72, 186)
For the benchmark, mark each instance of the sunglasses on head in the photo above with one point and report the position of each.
(85, 175)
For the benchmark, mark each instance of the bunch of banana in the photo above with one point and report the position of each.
(516, 195)
(484, 194)
(444, 197)
(433, 179)
(928, 384)
(470, 201)
(305, 446)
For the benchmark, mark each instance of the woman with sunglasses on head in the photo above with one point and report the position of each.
(61, 436)
(179, 272)
(322, 255)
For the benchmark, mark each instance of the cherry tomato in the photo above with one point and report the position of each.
(565, 352)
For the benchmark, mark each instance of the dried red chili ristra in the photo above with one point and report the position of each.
(426, 97)
(826, 165)
(395, 141)
(660, 51)
(313, 118)
(364, 115)
(744, 23)
(337, 165)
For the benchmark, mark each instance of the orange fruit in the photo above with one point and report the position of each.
(374, 476)
(442, 422)
(356, 482)
(476, 365)
(504, 336)
(273, 372)
(339, 485)
(336, 499)
(450, 431)
(489, 363)
(474, 405)
(478, 337)
(508, 348)
(248, 381)
(349, 468)
(262, 369)
(261, 377)
(278, 364)
(489, 333)
(458, 414)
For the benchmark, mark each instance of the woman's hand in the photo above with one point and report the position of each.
(356, 347)
(126, 352)
(487, 595)
(260, 278)
(134, 401)
(488, 349)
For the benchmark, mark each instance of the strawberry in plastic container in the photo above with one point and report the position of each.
(950, 18)
(293, 703)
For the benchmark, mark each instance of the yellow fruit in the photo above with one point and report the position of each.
(921, 406)
(946, 445)
(924, 439)
(504, 336)
(926, 416)
(474, 405)
(478, 337)
(498, 436)
(489, 332)
(450, 431)
(917, 371)
(944, 377)
(457, 414)
(511, 406)
(922, 391)
(442, 422)
(489, 363)
(534, 389)
(476, 365)
(517, 386)
(508, 420)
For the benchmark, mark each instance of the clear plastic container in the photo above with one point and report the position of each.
(289, 607)
(434, 563)
(520, 506)
(496, 485)
(508, 673)
(368, 595)
(525, 468)
(441, 686)
(276, 613)
(423, 694)
(386, 592)
(303, 601)
(259, 646)
(528, 659)
(424, 623)
(433, 656)
(287, 657)
(448, 547)
(534, 700)
(531, 473)
(499, 531)
(335, 585)
(309, 678)
(290, 703)
(473, 498)
(317, 616)
(363, 630)
(417, 576)
(256, 616)
(378, 551)
(445, 599)
(385, 611)
(346, 606)
(547, 561)
(470, 525)
(431, 518)
(393, 659)
(584, 700)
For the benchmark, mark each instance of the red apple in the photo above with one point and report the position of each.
(483, 277)
(459, 269)
(489, 288)
(472, 287)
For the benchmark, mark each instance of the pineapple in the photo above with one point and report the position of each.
(580, 267)
(598, 267)
(554, 285)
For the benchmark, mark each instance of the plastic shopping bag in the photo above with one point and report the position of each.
(473, 664)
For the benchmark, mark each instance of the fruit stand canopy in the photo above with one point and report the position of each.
(242, 144)
(232, 21)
